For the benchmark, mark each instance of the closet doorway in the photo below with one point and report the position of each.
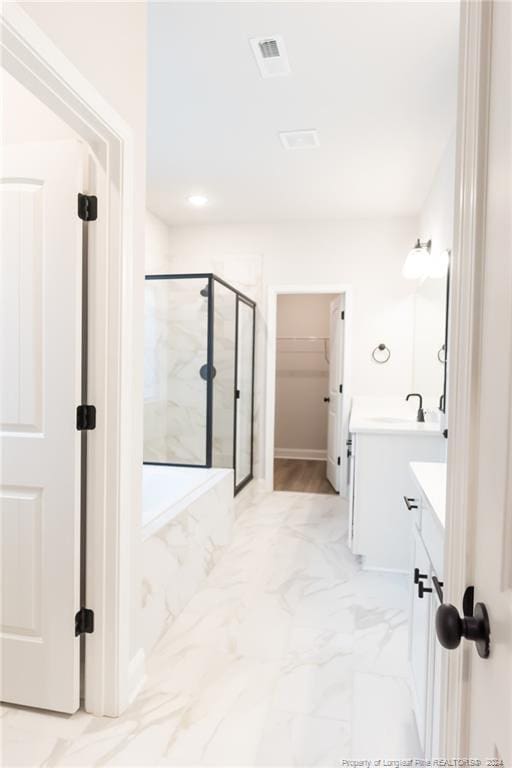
(309, 393)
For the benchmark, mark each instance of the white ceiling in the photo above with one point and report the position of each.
(377, 80)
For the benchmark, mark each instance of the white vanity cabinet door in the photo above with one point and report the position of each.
(420, 637)
(434, 685)
(382, 524)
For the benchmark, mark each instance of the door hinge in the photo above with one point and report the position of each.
(339, 461)
(343, 315)
(445, 434)
(86, 417)
(87, 207)
(237, 394)
(84, 622)
(341, 389)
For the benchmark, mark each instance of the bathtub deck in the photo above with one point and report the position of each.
(168, 490)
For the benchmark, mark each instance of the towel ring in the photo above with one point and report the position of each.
(440, 356)
(381, 348)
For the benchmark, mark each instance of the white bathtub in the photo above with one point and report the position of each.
(187, 520)
(166, 491)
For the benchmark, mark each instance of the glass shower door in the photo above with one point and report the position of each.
(244, 393)
(176, 371)
(224, 345)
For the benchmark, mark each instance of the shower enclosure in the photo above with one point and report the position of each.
(199, 374)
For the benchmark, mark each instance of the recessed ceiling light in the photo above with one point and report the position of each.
(299, 139)
(198, 200)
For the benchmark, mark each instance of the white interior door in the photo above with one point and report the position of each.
(40, 353)
(334, 452)
(490, 729)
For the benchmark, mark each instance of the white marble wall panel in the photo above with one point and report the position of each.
(175, 393)
(177, 559)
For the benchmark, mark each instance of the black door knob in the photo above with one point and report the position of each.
(451, 628)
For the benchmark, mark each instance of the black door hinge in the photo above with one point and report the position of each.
(339, 461)
(445, 434)
(341, 389)
(87, 207)
(237, 394)
(343, 315)
(84, 622)
(86, 417)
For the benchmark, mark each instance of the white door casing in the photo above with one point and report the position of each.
(335, 406)
(491, 679)
(477, 692)
(40, 389)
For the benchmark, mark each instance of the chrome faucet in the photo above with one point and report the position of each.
(421, 412)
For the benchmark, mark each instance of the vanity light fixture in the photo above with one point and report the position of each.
(439, 264)
(198, 200)
(417, 264)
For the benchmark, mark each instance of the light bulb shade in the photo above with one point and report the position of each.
(416, 265)
(439, 264)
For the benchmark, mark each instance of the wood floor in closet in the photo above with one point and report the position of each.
(301, 475)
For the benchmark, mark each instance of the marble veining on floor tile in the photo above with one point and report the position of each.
(287, 656)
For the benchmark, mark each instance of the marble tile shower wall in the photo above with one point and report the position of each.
(177, 559)
(176, 349)
(244, 272)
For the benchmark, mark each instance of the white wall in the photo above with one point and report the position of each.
(436, 224)
(157, 241)
(436, 215)
(367, 254)
(106, 42)
(302, 375)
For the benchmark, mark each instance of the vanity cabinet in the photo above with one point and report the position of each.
(419, 635)
(425, 653)
(380, 525)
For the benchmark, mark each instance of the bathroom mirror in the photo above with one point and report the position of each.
(430, 339)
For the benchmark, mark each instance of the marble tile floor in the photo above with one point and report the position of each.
(289, 656)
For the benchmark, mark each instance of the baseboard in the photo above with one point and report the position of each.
(300, 453)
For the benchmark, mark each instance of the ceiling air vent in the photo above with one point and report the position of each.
(270, 54)
(299, 139)
(269, 49)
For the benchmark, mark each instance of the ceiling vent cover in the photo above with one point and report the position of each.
(270, 54)
(299, 139)
(269, 49)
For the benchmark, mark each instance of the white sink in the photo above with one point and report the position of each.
(390, 420)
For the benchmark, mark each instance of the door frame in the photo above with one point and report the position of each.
(113, 673)
(465, 324)
(274, 291)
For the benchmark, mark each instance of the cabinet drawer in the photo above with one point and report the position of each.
(413, 504)
(433, 536)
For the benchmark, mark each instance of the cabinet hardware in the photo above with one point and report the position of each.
(422, 589)
(327, 399)
(408, 503)
(418, 576)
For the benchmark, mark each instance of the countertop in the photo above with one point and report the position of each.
(366, 423)
(431, 477)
